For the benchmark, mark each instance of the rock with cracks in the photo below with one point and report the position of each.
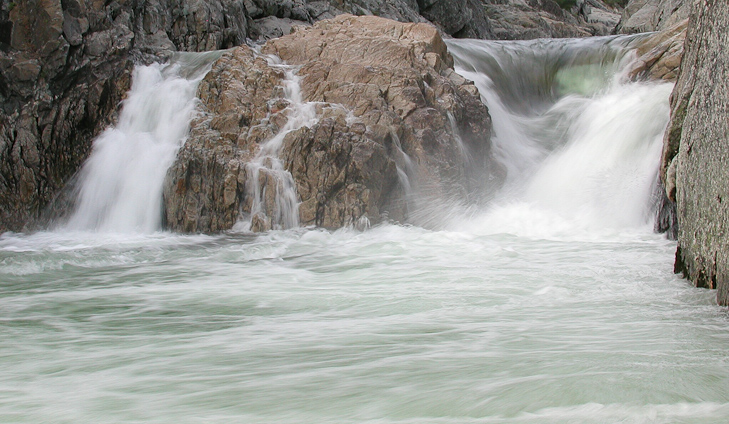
(393, 122)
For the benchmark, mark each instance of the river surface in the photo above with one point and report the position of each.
(553, 303)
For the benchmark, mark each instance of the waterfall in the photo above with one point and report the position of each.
(577, 139)
(120, 185)
(270, 187)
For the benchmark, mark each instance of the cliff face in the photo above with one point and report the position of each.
(696, 150)
(487, 19)
(64, 68)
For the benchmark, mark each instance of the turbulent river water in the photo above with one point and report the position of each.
(555, 303)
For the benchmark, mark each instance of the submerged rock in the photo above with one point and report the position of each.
(390, 115)
(696, 151)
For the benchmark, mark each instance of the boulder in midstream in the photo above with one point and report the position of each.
(388, 105)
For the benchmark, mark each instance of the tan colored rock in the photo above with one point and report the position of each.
(659, 54)
(205, 187)
(386, 98)
(397, 81)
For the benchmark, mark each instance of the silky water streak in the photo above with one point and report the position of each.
(120, 184)
(271, 188)
(580, 142)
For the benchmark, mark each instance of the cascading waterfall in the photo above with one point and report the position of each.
(121, 182)
(271, 188)
(576, 138)
(572, 135)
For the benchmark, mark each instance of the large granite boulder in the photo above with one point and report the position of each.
(390, 118)
(696, 150)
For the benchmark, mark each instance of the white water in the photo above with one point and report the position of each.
(578, 142)
(121, 182)
(555, 304)
(267, 167)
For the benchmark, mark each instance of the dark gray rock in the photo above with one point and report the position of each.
(529, 19)
(696, 150)
(272, 27)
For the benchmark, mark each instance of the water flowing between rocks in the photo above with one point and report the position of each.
(553, 303)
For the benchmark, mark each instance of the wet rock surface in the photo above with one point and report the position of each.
(388, 104)
(659, 54)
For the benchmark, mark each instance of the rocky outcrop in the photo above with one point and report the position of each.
(652, 15)
(659, 54)
(64, 68)
(696, 151)
(486, 19)
(458, 18)
(529, 19)
(387, 104)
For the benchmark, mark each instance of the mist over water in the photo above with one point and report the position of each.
(554, 303)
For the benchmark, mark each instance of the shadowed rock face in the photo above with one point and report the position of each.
(386, 97)
(487, 19)
(696, 151)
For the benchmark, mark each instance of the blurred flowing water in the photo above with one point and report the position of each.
(555, 303)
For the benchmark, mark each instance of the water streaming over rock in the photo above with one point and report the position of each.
(554, 304)
(271, 188)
